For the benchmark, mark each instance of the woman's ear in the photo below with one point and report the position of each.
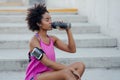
(39, 24)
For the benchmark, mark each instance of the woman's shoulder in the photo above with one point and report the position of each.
(34, 42)
(32, 39)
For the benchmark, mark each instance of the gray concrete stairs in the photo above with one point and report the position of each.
(17, 59)
(94, 48)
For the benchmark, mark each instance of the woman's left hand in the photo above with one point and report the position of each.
(75, 73)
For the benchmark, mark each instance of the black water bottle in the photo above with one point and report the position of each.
(62, 25)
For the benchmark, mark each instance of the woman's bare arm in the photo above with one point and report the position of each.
(70, 47)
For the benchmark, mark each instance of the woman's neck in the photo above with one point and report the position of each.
(42, 33)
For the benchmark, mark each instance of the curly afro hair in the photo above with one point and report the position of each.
(34, 16)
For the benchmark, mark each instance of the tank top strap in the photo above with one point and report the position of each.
(50, 38)
(39, 38)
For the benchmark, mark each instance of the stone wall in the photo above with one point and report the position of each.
(105, 13)
(61, 3)
(32, 2)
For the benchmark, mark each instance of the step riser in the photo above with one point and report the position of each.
(11, 1)
(11, 13)
(18, 19)
(52, 13)
(23, 12)
(92, 43)
(16, 65)
(75, 29)
(79, 30)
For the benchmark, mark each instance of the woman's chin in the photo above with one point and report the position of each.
(50, 29)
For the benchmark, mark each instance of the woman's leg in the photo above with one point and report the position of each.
(65, 74)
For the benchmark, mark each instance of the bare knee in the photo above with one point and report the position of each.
(80, 67)
(81, 64)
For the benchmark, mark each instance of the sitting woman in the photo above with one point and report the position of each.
(44, 65)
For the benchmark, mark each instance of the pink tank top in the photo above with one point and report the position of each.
(35, 66)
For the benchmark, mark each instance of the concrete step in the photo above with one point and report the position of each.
(89, 74)
(10, 8)
(11, 1)
(21, 18)
(6, 28)
(82, 40)
(10, 4)
(17, 59)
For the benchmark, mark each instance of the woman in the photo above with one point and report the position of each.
(39, 20)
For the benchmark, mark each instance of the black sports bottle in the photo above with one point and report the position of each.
(61, 25)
